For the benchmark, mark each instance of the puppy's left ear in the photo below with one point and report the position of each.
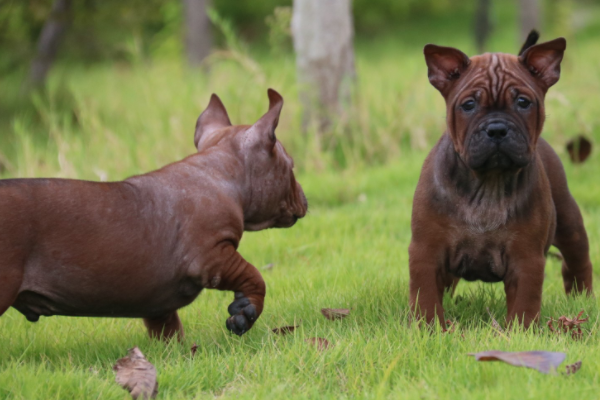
(263, 131)
(543, 60)
(444, 66)
(212, 119)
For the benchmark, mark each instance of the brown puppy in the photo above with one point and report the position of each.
(147, 246)
(493, 196)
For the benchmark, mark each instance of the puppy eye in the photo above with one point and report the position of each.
(522, 102)
(468, 105)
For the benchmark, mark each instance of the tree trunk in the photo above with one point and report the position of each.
(483, 26)
(198, 38)
(49, 42)
(323, 40)
(529, 12)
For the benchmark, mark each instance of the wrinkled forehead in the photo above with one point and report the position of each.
(492, 75)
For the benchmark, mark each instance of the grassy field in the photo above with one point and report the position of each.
(108, 122)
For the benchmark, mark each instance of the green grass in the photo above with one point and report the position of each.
(350, 252)
(112, 121)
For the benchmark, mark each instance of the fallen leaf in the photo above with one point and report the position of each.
(335, 313)
(579, 149)
(543, 361)
(137, 375)
(268, 267)
(284, 330)
(322, 344)
(495, 323)
(556, 254)
(194, 349)
(450, 326)
(572, 368)
(566, 325)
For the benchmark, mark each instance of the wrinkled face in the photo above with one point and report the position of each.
(272, 197)
(496, 114)
(495, 102)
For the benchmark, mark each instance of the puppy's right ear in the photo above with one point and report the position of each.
(213, 118)
(445, 65)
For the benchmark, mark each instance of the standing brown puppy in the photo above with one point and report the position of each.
(147, 246)
(493, 196)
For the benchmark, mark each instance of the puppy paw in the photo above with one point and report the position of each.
(243, 314)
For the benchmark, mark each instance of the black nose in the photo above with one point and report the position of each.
(497, 131)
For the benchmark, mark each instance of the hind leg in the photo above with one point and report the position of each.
(570, 236)
(165, 326)
(10, 282)
(571, 239)
(450, 285)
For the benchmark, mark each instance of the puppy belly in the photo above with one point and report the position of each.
(478, 261)
(104, 302)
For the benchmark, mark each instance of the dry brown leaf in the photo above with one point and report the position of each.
(320, 343)
(268, 267)
(579, 149)
(495, 323)
(284, 330)
(194, 349)
(450, 326)
(335, 313)
(566, 325)
(543, 361)
(137, 375)
(556, 254)
(573, 368)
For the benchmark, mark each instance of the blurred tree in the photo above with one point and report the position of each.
(559, 17)
(323, 40)
(198, 38)
(529, 17)
(49, 42)
(483, 26)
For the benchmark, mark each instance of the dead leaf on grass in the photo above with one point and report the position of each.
(543, 361)
(137, 375)
(284, 330)
(556, 254)
(495, 323)
(335, 313)
(450, 326)
(579, 149)
(320, 343)
(573, 368)
(194, 349)
(566, 325)
(268, 267)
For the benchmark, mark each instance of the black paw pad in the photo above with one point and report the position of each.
(238, 305)
(242, 322)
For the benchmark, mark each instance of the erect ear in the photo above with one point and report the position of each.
(263, 131)
(213, 118)
(543, 60)
(445, 65)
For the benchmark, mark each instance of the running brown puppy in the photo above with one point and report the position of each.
(493, 196)
(147, 246)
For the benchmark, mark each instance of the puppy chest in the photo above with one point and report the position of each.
(478, 258)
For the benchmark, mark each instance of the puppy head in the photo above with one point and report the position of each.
(495, 101)
(273, 197)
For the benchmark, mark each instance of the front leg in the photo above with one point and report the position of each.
(523, 286)
(427, 284)
(244, 279)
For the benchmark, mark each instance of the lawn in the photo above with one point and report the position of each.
(108, 122)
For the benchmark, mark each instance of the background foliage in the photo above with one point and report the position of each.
(121, 101)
